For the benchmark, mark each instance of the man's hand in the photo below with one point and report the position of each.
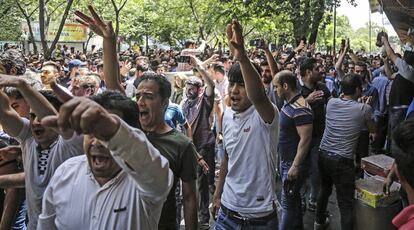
(82, 115)
(203, 164)
(125, 68)
(264, 46)
(300, 47)
(216, 206)
(195, 62)
(95, 23)
(293, 173)
(235, 39)
(10, 153)
(219, 138)
(9, 80)
(314, 96)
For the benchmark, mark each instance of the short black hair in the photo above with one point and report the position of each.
(235, 74)
(409, 57)
(114, 100)
(164, 85)
(403, 149)
(218, 68)
(13, 58)
(350, 83)
(361, 63)
(51, 98)
(307, 64)
(188, 43)
(286, 76)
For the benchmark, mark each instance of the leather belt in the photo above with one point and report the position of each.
(237, 218)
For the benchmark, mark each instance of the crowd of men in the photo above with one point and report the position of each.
(133, 141)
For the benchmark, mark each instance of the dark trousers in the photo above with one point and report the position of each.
(338, 171)
(204, 183)
(379, 143)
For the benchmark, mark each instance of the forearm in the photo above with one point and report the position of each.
(143, 158)
(190, 211)
(222, 176)
(252, 82)
(272, 62)
(219, 116)
(111, 67)
(15, 180)
(338, 64)
(302, 151)
(207, 80)
(387, 69)
(189, 131)
(12, 202)
(37, 102)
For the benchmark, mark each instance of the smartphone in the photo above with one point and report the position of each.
(289, 187)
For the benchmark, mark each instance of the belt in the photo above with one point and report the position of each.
(237, 218)
(398, 107)
(335, 156)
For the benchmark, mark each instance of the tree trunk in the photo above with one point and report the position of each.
(317, 18)
(48, 52)
(32, 38)
(43, 37)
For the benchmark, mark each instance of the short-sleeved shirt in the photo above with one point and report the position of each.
(174, 115)
(251, 144)
(198, 113)
(296, 112)
(345, 119)
(318, 107)
(181, 155)
(38, 172)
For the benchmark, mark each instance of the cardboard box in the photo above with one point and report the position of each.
(377, 164)
(370, 192)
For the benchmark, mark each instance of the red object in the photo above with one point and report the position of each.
(405, 219)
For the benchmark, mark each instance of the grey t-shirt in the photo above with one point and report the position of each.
(40, 168)
(344, 121)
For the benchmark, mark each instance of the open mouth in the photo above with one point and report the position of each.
(38, 131)
(143, 114)
(99, 161)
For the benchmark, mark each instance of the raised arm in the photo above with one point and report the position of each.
(390, 52)
(338, 64)
(151, 170)
(270, 60)
(9, 119)
(105, 30)
(252, 82)
(208, 80)
(37, 102)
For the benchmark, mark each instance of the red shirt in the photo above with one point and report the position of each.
(405, 219)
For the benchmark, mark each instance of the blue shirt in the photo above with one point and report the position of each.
(410, 110)
(296, 112)
(371, 91)
(174, 115)
(380, 83)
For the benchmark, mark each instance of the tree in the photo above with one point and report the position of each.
(27, 10)
(43, 26)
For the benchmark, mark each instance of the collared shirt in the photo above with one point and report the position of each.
(381, 83)
(131, 200)
(405, 219)
(36, 180)
(251, 144)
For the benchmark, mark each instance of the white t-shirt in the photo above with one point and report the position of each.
(251, 144)
(36, 180)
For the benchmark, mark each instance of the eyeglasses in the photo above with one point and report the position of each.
(88, 86)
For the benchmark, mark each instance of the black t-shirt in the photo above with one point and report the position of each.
(402, 92)
(318, 107)
(181, 154)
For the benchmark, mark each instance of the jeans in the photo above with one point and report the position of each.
(219, 152)
(224, 222)
(291, 217)
(314, 176)
(338, 171)
(204, 182)
(179, 203)
(379, 143)
(396, 116)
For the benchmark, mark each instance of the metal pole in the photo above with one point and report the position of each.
(334, 32)
(370, 29)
